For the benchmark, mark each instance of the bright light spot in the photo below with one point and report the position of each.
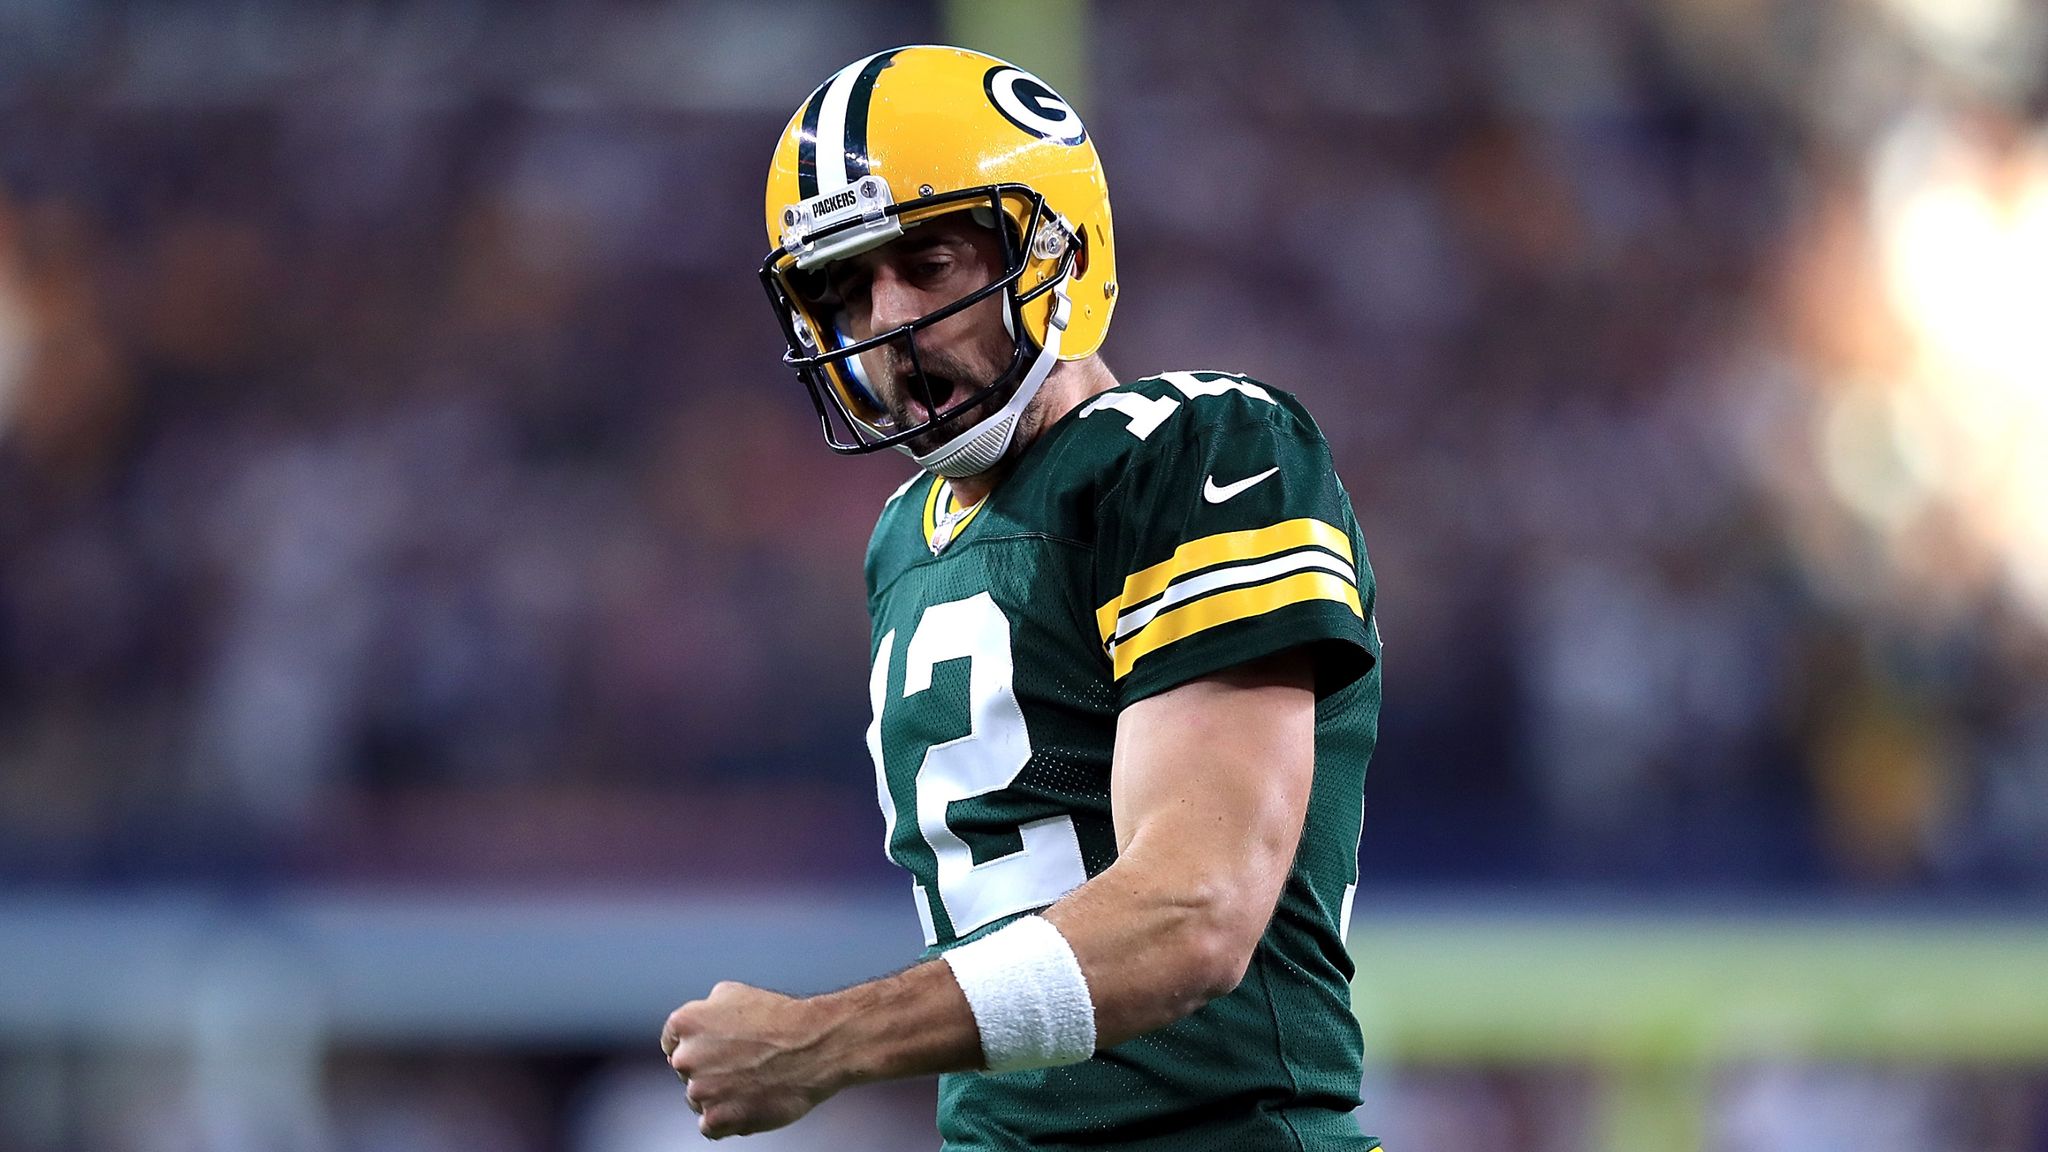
(1971, 277)
(1965, 25)
(1990, 45)
(1964, 250)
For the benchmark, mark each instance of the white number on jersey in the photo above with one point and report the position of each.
(987, 759)
(1147, 413)
(1190, 385)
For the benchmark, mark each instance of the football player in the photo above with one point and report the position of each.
(1125, 679)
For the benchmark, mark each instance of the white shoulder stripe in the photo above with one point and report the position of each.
(1258, 572)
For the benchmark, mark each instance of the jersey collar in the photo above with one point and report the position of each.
(944, 519)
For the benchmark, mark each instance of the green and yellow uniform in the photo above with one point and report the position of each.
(1160, 532)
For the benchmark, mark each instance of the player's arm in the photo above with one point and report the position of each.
(1209, 790)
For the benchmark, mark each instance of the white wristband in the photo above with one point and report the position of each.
(1028, 995)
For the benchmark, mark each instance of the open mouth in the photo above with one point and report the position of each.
(944, 389)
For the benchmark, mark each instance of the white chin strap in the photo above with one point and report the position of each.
(982, 446)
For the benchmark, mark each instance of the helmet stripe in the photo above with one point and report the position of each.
(807, 147)
(832, 173)
(857, 103)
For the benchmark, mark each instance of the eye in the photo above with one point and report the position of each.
(931, 269)
(808, 286)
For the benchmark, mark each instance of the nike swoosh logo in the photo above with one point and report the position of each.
(1216, 494)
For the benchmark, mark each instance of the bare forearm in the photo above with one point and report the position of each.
(1148, 962)
(915, 1023)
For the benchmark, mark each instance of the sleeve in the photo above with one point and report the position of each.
(1232, 541)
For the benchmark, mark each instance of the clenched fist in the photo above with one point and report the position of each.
(750, 1059)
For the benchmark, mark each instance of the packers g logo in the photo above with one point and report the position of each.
(1024, 100)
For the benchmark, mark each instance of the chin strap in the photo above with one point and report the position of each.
(981, 447)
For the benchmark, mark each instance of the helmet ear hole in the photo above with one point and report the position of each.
(1081, 252)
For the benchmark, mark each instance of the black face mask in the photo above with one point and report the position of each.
(850, 409)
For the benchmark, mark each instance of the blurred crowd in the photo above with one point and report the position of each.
(398, 479)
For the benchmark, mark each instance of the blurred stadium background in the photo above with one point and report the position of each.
(431, 639)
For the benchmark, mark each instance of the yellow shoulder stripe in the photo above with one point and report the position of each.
(1225, 607)
(1249, 544)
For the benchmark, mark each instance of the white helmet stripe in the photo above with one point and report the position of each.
(832, 173)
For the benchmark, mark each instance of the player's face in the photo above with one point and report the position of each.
(929, 267)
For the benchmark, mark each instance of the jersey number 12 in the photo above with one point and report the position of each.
(987, 759)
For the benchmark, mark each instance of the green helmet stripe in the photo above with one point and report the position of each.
(857, 115)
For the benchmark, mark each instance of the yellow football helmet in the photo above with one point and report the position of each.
(892, 141)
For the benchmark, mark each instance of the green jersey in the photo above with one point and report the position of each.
(1160, 532)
